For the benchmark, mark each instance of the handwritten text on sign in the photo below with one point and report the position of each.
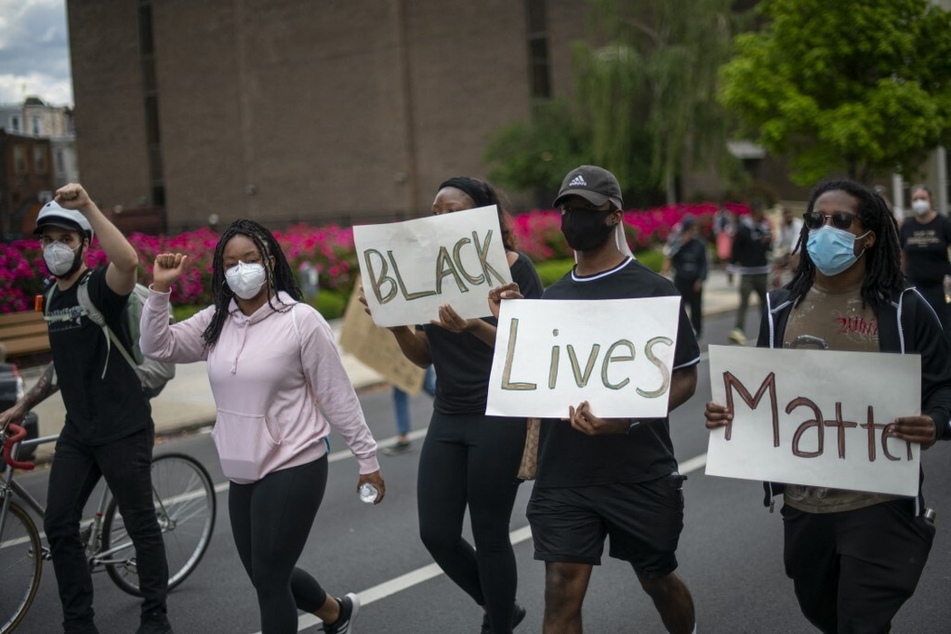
(616, 354)
(815, 417)
(410, 268)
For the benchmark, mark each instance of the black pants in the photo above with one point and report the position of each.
(126, 465)
(748, 285)
(693, 300)
(271, 519)
(854, 570)
(472, 460)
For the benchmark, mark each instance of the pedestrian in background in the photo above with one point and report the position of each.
(403, 418)
(750, 260)
(691, 262)
(925, 238)
(786, 247)
(856, 557)
(272, 359)
(470, 460)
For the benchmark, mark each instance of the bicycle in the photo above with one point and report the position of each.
(185, 504)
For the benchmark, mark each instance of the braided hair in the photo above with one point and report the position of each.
(280, 277)
(484, 194)
(883, 276)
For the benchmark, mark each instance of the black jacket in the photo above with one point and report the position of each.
(907, 325)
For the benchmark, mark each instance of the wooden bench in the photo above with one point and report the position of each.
(23, 335)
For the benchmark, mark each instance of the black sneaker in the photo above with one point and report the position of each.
(349, 606)
(517, 617)
(398, 448)
(154, 622)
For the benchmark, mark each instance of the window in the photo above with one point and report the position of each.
(538, 49)
(59, 162)
(35, 128)
(15, 123)
(19, 159)
(39, 159)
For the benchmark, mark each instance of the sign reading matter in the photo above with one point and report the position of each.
(616, 354)
(410, 268)
(815, 417)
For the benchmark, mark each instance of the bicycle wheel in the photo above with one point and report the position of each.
(186, 506)
(21, 563)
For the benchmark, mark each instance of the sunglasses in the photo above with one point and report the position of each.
(840, 219)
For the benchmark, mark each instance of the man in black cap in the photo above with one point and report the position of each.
(597, 476)
(109, 430)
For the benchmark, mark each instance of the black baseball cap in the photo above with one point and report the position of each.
(594, 184)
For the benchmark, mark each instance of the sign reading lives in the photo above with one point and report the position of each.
(410, 268)
(617, 354)
(815, 417)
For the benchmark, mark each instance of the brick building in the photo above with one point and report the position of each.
(286, 110)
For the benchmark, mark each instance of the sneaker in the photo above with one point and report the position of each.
(517, 617)
(154, 622)
(349, 606)
(398, 448)
(737, 336)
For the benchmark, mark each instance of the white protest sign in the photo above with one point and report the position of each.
(617, 354)
(815, 417)
(410, 268)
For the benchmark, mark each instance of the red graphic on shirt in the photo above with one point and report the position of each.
(857, 324)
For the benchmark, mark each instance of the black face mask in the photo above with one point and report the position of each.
(585, 229)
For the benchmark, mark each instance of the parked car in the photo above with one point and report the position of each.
(11, 390)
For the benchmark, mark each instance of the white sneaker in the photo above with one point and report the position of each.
(737, 336)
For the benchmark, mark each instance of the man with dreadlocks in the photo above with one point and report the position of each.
(856, 557)
(271, 360)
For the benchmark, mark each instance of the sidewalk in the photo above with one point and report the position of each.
(186, 402)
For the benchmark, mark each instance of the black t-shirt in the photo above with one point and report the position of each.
(569, 458)
(463, 362)
(926, 249)
(99, 409)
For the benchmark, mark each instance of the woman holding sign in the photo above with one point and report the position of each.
(271, 360)
(855, 557)
(470, 460)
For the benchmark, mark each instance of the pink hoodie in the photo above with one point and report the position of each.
(268, 373)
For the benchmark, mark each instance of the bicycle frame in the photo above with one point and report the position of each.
(90, 529)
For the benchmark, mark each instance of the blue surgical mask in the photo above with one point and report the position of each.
(833, 250)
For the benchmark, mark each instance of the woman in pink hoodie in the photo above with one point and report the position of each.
(271, 360)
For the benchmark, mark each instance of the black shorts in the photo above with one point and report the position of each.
(644, 521)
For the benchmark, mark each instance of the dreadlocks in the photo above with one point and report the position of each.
(281, 278)
(883, 276)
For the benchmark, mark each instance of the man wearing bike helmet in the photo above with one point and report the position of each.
(108, 430)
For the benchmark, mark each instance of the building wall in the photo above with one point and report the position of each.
(26, 173)
(287, 110)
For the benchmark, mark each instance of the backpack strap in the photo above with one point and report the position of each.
(94, 314)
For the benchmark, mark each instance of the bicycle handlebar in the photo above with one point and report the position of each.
(15, 434)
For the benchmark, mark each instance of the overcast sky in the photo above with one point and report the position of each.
(34, 52)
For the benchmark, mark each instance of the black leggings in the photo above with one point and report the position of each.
(271, 519)
(472, 460)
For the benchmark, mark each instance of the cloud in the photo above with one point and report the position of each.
(34, 51)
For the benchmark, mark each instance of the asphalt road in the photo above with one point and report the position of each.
(730, 553)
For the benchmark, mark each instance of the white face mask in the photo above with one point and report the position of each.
(59, 258)
(920, 206)
(246, 280)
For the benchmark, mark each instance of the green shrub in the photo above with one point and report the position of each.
(553, 270)
(185, 311)
(330, 304)
(651, 258)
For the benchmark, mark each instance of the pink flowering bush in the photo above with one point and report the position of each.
(329, 249)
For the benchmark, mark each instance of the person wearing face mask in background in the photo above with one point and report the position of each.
(271, 360)
(600, 477)
(856, 557)
(109, 430)
(925, 238)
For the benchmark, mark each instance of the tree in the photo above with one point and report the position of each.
(660, 67)
(855, 86)
(644, 104)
